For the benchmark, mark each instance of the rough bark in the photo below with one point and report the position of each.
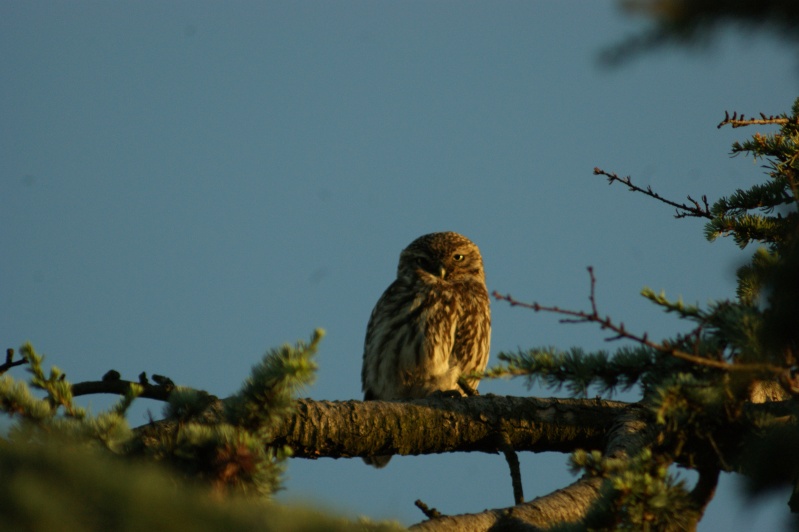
(563, 505)
(437, 425)
(341, 429)
(628, 434)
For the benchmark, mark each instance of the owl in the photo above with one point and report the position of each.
(431, 326)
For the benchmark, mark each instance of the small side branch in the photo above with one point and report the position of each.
(112, 384)
(741, 121)
(683, 210)
(10, 362)
(430, 513)
(513, 463)
(621, 332)
(628, 434)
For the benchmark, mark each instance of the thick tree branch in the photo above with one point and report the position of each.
(491, 424)
(347, 428)
(343, 429)
(564, 505)
(629, 434)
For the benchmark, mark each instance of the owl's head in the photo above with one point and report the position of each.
(441, 257)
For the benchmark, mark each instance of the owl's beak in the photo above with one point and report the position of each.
(442, 272)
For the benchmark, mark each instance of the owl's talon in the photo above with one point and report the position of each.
(467, 389)
(446, 394)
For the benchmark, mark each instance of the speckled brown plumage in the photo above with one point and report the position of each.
(431, 325)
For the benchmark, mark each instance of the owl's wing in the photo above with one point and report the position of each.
(473, 331)
(383, 333)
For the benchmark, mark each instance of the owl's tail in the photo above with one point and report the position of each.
(377, 461)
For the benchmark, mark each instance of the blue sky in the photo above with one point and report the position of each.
(187, 184)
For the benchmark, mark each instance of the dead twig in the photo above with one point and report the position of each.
(683, 210)
(10, 362)
(513, 463)
(580, 316)
(741, 121)
(430, 513)
(112, 384)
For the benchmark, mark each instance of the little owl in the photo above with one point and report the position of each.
(430, 326)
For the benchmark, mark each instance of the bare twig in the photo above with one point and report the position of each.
(121, 387)
(513, 463)
(740, 121)
(631, 431)
(10, 362)
(430, 513)
(580, 316)
(683, 210)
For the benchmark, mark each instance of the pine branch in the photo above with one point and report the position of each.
(117, 386)
(621, 332)
(513, 464)
(58, 390)
(335, 428)
(683, 210)
(564, 505)
(629, 433)
(430, 513)
(577, 369)
(54, 486)
(740, 121)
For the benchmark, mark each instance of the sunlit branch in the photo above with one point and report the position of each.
(740, 121)
(621, 332)
(683, 210)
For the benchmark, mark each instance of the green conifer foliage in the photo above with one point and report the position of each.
(697, 385)
(58, 450)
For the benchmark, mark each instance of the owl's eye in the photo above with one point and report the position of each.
(421, 262)
(458, 257)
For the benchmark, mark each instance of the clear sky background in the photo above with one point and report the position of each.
(186, 184)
